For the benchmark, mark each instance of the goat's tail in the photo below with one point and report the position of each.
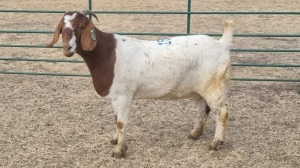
(226, 39)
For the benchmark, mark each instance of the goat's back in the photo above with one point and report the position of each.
(169, 68)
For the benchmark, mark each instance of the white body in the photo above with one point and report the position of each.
(166, 69)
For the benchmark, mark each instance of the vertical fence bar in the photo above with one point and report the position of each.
(90, 8)
(188, 25)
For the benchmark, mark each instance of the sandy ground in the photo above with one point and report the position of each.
(61, 121)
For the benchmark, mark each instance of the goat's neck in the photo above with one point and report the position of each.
(103, 56)
(101, 61)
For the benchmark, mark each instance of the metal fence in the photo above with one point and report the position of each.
(188, 32)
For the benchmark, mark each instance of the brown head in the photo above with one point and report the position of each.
(75, 28)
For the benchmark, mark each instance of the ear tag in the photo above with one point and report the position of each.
(93, 35)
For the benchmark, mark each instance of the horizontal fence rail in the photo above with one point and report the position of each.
(188, 13)
(234, 50)
(87, 75)
(162, 12)
(80, 61)
(154, 33)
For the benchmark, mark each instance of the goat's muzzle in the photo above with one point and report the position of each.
(68, 54)
(67, 51)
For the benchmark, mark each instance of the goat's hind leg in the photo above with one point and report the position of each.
(220, 114)
(214, 95)
(203, 111)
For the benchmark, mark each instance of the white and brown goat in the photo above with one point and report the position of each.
(124, 69)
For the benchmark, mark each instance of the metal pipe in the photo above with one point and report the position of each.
(188, 24)
(162, 12)
(90, 8)
(156, 34)
(233, 50)
(86, 75)
(80, 61)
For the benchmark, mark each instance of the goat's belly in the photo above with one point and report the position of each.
(166, 96)
(171, 96)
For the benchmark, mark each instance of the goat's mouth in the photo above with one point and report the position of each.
(68, 53)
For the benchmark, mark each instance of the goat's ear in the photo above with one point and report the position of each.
(88, 37)
(56, 34)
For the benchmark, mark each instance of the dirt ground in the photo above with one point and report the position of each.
(61, 122)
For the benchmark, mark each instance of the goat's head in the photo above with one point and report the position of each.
(76, 29)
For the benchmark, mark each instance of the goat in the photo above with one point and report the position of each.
(124, 69)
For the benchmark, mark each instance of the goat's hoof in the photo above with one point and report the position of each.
(120, 152)
(192, 137)
(118, 155)
(114, 141)
(215, 145)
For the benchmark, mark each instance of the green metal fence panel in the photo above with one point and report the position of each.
(188, 32)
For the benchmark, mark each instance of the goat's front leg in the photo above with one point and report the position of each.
(121, 106)
(114, 141)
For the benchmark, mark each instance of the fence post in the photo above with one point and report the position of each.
(90, 8)
(188, 25)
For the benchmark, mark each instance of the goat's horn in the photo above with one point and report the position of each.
(88, 12)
